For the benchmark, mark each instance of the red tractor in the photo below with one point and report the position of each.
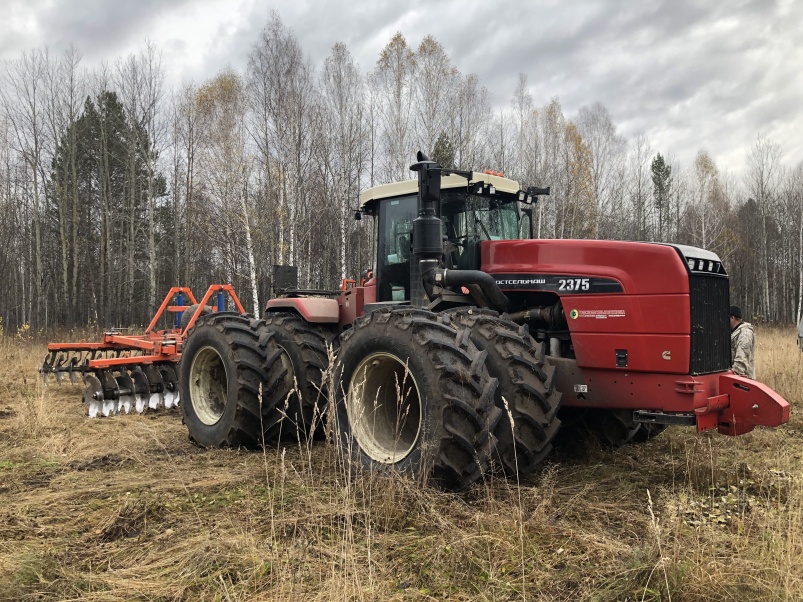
(469, 344)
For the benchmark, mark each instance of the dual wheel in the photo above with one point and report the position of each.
(414, 397)
(444, 397)
(248, 382)
(440, 397)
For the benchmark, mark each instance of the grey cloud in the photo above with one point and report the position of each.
(689, 74)
(97, 26)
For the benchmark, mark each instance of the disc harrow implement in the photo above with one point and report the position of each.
(126, 373)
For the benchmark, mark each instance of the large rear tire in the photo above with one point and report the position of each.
(228, 362)
(414, 397)
(305, 356)
(188, 313)
(525, 382)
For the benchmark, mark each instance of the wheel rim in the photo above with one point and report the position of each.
(290, 381)
(384, 408)
(289, 370)
(208, 385)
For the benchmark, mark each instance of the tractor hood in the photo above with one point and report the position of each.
(603, 266)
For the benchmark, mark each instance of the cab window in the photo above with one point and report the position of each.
(395, 231)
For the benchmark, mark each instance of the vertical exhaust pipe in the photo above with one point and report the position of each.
(428, 237)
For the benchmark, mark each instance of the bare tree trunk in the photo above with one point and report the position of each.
(763, 163)
(799, 257)
(20, 96)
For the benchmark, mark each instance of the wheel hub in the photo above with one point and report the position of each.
(384, 408)
(208, 385)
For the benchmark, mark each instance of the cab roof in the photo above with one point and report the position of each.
(385, 191)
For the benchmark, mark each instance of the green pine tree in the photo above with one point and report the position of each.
(661, 189)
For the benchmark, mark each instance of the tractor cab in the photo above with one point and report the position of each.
(485, 207)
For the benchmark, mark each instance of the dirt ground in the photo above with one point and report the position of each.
(126, 508)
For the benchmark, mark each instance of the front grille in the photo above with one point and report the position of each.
(710, 326)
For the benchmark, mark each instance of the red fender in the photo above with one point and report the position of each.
(312, 309)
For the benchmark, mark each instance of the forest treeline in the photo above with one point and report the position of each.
(115, 186)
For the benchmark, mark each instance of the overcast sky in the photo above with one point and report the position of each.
(690, 75)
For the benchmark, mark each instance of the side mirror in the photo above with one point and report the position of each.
(358, 215)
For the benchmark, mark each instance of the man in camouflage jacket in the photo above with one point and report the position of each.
(742, 344)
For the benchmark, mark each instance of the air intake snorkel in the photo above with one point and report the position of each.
(428, 237)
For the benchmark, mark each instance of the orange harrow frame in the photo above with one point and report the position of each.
(150, 356)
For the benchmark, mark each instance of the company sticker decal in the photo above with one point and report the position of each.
(597, 314)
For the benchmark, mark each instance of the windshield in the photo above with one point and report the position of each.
(479, 217)
(469, 219)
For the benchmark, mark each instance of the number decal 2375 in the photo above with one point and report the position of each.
(573, 284)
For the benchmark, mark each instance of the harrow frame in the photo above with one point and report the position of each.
(152, 354)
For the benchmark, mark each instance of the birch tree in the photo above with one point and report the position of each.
(606, 148)
(285, 120)
(65, 91)
(434, 89)
(525, 150)
(21, 94)
(392, 82)
(640, 189)
(761, 182)
(346, 146)
(151, 98)
(793, 190)
(469, 119)
(224, 172)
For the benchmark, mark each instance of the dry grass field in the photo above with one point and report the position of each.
(125, 508)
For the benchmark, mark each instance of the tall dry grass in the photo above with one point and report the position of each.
(125, 508)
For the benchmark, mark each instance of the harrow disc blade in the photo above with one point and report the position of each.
(109, 384)
(125, 386)
(170, 393)
(141, 389)
(93, 395)
(155, 399)
(108, 407)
